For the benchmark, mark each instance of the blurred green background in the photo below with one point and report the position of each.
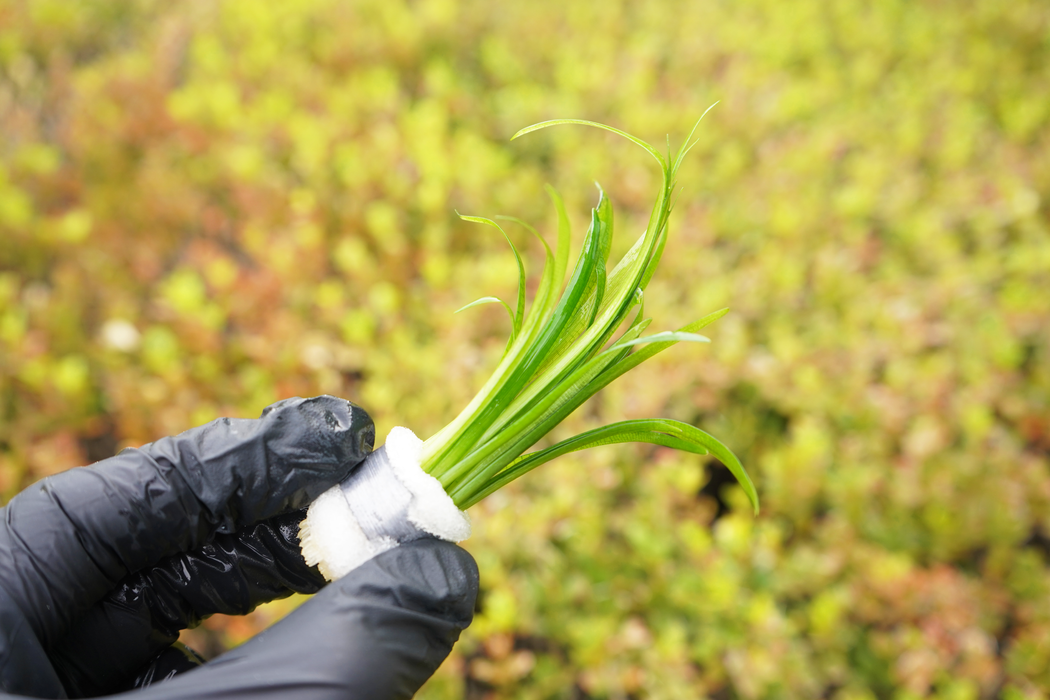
(208, 206)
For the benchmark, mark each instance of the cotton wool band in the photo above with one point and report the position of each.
(387, 500)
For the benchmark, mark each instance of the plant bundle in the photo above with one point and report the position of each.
(577, 337)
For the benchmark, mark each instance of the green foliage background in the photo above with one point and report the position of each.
(207, 206)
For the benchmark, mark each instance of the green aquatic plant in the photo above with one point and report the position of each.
(566, 348)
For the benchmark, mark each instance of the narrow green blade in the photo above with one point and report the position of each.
(561, 258)
(658, 431)
(487, 300)
(490, 300)
(686, 145)
(545, 299)
(519, 311)
(555, 122)
(663, 337)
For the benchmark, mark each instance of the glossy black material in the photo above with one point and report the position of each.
(377, 633)
(231, 574)
(101, 566)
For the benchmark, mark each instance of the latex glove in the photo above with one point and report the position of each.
(101, 566)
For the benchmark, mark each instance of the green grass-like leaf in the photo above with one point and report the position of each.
(658, 431)
(563, 351)
(557, 122)
(519, 310)
(495, 300)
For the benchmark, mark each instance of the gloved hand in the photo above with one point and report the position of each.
(100, 567)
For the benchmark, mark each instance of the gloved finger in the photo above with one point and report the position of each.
(377, 633)
(142, 617)
(176, 659)
(24, 667)
(69, 539)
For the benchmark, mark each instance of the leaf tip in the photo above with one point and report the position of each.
(752, 496)
(528, 129)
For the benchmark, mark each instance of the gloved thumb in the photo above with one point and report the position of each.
(377, 633)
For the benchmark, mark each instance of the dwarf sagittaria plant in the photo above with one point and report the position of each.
(578, 336)
(568, 347)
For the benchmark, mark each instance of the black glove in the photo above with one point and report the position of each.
(100, 567)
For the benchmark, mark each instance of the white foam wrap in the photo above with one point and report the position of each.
(387, 500)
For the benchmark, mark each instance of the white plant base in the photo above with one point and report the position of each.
(387, 500)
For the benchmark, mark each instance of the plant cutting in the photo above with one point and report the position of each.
(577, 337)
